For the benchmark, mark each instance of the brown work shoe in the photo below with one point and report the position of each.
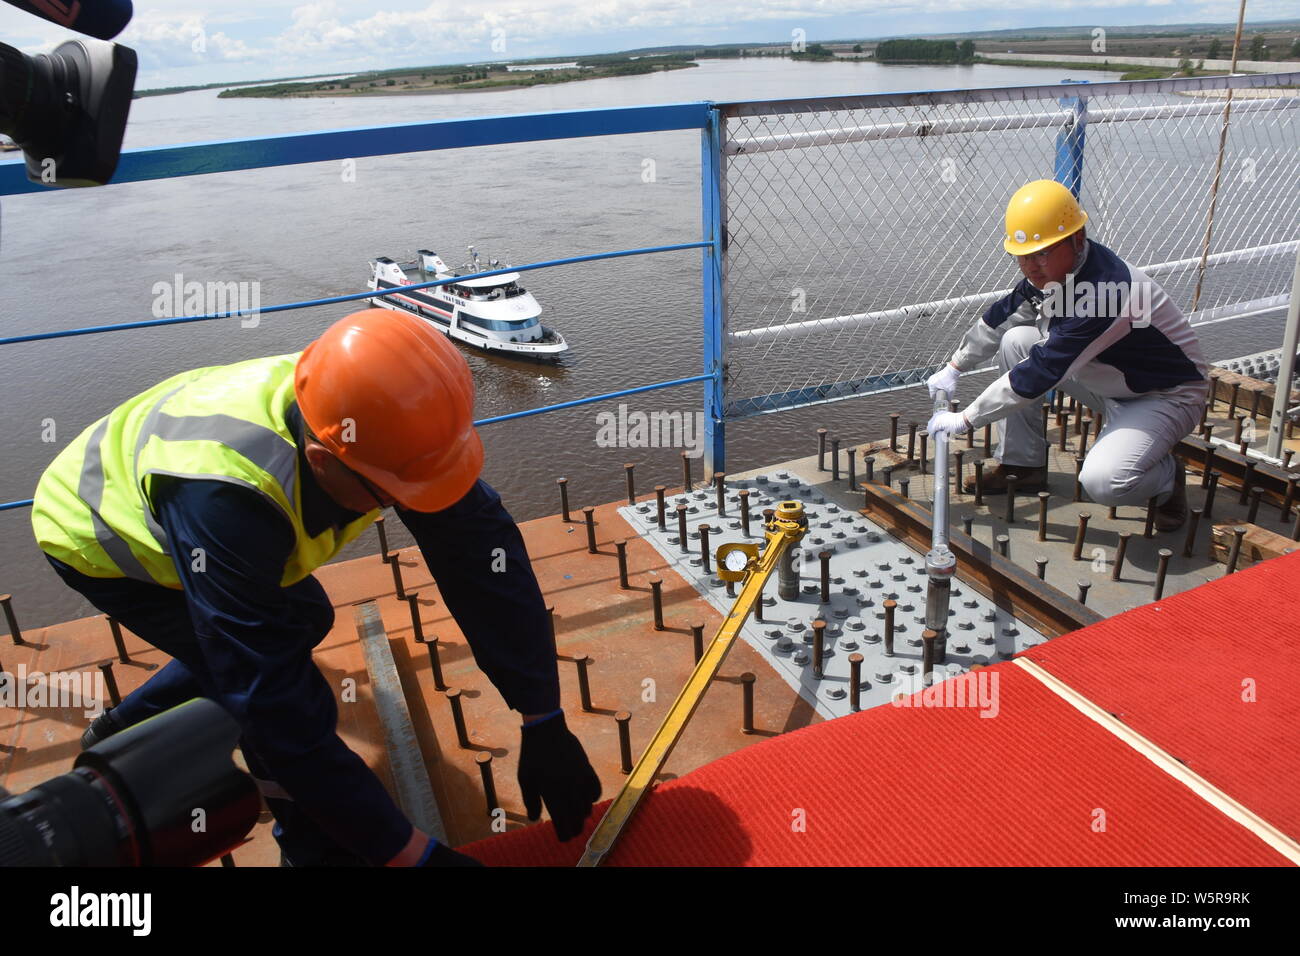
(1171, 515)
(995, 481)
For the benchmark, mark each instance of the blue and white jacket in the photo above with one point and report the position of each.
(1109, 324)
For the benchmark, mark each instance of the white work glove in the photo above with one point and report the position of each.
(947, 423)
(946, 379)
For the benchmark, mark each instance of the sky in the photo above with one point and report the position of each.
(182, 42)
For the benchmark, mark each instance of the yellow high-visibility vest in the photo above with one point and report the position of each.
(94, 507)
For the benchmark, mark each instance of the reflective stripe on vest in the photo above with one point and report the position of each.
(217, 424)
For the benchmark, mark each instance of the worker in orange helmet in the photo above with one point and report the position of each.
(196, 512)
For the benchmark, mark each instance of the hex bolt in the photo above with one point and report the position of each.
(979, 483)
(958, 455)
(682, 539)
(927, 653)
(1253, 513)
(621, 547)
(744, 512)
(911, 440)
(902, 486)
(1079, 533)
(110, 681)
(1189, 544)
(1078, 478)
(1209, 464)
(720, 489)
(925, 438)
(1161, 569)
(819, 647)
(1237, 534)
(747, 702)
(1043, 498)
(893, 432)
(661, 506)
(835, 459)
(383, 538)
(1082, 597)
(115, 628)
(1288, 497)
(1209, 494)
(417, 626)
(853, 471)
(589, 516)
(825, 558)
(1042, 567)
(1003, 542)
(624, 721)
(966, 523)
(657, 597)
(1120, 550)
(821, 449)
(435, 664)
(396, 565)
(484, 760)
(855, 682)
(889, 627)
(458, 717)
(1151, 517)
(1083, 439)
(870, 462)
(1010, 515)
(704, 548)
(628, 470)
(564, 499)
(584, 681)
(697, 639)
(1246, 479)
(6, 602)
(686, 471)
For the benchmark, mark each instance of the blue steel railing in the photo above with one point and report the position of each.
(167, 162)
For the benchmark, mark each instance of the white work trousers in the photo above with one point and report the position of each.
(1130, 460)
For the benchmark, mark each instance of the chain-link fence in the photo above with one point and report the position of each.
(863, 234)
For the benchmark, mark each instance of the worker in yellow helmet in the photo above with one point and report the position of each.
(196, 512)
(1084, 321)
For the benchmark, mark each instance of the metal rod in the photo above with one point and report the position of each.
(682, 539)
(116, 629)
(1288, 497)
(1253, 513)
(720, 492)
(855, 681)
(1232, 405)
(958, 454)
(15, 632)
(821, 449)
(870, 462)
(819, 647)
(458, 717)
(1151, 517)
(825, 558)
(623, 719)
(1209, 494)
(1003, 544)
(661, 507)
(435, 664)
(988, 441)
(1208, 467)
(1078, 475)
(1161, 569)
(704, 548)
(657, 597)
(564, 499)
(889, 606)
(853, 471)
(1189, 546)
(621, 547)
(1237, 534)
(927, 652)
(744, 512)
(1082, 596)
(628, 473)
(1120, 550)
(110, 682)
(1043, 498)
(902, 486)
(417, 626)
(396, 565)
(966, 523)
(697, 640)
(484, 760)
(589, 516)
(979, 483)
(1246, 480)
(686, 471)
(835, 459)
(1010, 514)
(1083, 439)
(911, 440)
(1042, 567)
(1079, 533)
(925, 437)
(383, 537)
(747, 702)
(584, 681)
(893, 432)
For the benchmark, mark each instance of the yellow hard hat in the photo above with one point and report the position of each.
(1039, 214)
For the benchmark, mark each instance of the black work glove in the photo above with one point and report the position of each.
(554, 768)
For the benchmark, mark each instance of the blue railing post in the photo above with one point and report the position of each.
(1069, 143)
(715, 330)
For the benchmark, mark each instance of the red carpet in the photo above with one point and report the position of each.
(1037, 784)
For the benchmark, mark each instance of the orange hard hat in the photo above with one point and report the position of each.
(393, 400)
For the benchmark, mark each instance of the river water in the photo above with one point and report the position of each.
(92, 257)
